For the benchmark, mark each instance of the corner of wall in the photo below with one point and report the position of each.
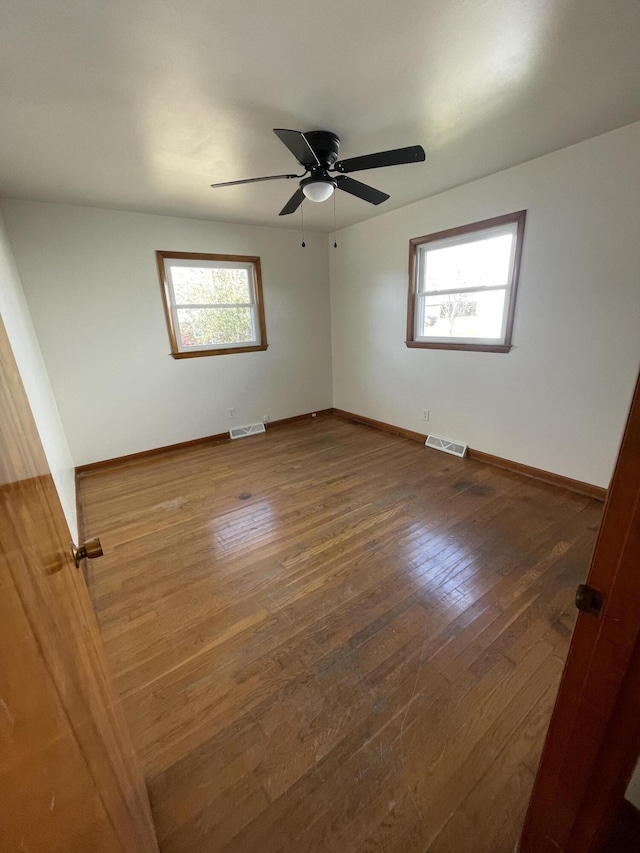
(24, 343)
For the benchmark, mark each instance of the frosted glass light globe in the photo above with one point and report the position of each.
(318, 190)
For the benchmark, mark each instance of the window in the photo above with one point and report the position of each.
(213, 303)
(462, 285)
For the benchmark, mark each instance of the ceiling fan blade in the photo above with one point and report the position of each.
(412, 154)
(298, 144)
(255, 180)
(293, 204)
(363, 191)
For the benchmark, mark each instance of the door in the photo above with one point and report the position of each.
(594, 736)
(69, 780)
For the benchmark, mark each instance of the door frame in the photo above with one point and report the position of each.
(593, 740)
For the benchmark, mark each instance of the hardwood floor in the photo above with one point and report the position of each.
(328, 638)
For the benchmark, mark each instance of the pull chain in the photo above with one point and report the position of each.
(335, 244)
(302, 215)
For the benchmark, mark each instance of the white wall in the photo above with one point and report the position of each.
(633, 791)
(559, 399)
(92, 285)
(24, 343)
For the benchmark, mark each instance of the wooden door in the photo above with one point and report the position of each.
(69, 780)
(594, 736)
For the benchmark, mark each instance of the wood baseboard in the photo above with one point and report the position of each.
(218, 438)
(79, 509)
(144, 455)
(394, 430)
(578, 486)
(322, 413)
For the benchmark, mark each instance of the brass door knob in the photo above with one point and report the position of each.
(90, 550)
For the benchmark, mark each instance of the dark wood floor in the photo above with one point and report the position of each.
(329, 639)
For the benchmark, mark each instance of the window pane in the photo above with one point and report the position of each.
(464, 315)
(206, 326)
(478, 264)
(205, 286)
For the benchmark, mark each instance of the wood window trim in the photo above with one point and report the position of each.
(254, 260)
(507, 219)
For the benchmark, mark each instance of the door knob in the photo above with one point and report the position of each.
(90, 550)
(589, 600)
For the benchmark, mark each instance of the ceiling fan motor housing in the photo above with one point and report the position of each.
(325, 144)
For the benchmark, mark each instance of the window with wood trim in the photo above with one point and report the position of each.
(462, 285)
(213, 303)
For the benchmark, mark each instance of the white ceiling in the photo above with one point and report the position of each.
(141, 104)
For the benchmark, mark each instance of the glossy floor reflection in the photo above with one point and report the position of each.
(361, 656)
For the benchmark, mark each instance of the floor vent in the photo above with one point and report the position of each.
(457, 448)
(250, 429)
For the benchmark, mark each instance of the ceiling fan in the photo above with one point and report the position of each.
(317, 153)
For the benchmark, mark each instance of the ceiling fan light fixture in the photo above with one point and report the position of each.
(318, 190)
(317, 153)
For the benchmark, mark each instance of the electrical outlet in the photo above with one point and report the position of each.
(265, 419)
(231, 413)
(425, 414)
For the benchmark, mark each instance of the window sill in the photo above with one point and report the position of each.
(470, 347)
(226, 351)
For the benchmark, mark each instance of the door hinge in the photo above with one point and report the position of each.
(589, 600)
